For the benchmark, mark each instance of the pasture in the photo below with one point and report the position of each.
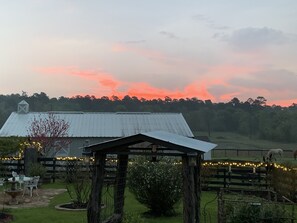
(232, 146)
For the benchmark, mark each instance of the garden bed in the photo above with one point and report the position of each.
(5, 218)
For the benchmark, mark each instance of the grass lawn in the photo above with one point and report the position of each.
(50, 214)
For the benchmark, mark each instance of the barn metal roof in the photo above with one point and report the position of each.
(169, 141)
(102, 124)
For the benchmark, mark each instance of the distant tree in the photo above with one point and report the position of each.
(260, 101)
(235, 102)
(51, 132)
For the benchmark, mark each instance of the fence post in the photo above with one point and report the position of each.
(54, 170)
(19, 166)
(259, 176)
(225, 178)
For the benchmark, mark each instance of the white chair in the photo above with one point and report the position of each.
(14, 174)
(2, 181)
(31, 184)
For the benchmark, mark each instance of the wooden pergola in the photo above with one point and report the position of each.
(158, 143)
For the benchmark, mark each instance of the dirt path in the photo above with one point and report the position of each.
(45, 195)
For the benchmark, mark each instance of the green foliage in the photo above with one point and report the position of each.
(256, 213)
(9, 146)
(252, 118)
(36, 169)
(157, 185)
(78, 186)
(285, 182)
(132, 218)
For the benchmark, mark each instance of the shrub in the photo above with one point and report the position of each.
(78, 185)
(284, 182)
(253, 213)
(36, 169)
(157, 185)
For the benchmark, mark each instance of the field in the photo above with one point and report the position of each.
(229, 143)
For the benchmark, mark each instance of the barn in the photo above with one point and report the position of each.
(87, 128)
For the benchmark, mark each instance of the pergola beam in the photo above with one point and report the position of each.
(94, 205)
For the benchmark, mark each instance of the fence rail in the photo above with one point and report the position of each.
(212, 177)
(55, 168)
(255, 153)
(239, 177)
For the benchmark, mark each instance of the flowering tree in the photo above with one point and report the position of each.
(51, 132)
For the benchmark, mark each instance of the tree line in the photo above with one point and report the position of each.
(252, 117)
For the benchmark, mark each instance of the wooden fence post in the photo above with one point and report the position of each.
(54, 170)
(225, 183)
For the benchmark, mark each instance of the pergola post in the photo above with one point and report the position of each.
(94, 205)
(191, 189)
(120, 186)
(197, 181)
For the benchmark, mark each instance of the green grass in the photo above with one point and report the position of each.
(208, 209)
(227, 140)
(50, 214)
(234, 140)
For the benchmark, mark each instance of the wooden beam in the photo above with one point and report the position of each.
(197, 181)
(94, 205)
(120, 185)
(191, 189)
(188, 189)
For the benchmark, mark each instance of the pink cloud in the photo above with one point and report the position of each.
(109, 86)
(218, 88)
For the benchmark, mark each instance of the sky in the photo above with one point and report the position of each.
(208, 49)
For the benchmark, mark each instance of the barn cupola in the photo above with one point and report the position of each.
(23, 107)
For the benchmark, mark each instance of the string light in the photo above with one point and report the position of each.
(246, 164)
(204, 164)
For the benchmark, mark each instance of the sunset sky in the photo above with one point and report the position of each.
(209, 49)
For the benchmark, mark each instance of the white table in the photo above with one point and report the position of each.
(20, 181)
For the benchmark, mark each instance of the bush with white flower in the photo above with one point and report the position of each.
(157, 185)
